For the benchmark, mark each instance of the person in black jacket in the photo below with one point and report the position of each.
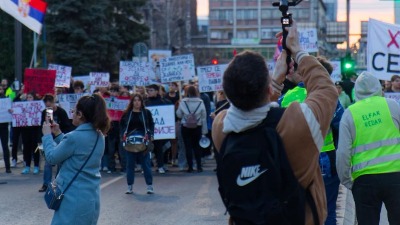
(60, 116)
(4, 137)
(160, 146)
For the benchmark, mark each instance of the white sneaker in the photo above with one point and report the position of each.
(161, 170)
(129, 191)
(150, 189)
(14, 163)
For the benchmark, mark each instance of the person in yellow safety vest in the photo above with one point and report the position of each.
(368, 155)
(7, 90)
(327, 156)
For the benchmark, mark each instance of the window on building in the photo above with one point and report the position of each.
(216, 35)
(266, 14)
(241, 34)
(303, 13)
(253, 34)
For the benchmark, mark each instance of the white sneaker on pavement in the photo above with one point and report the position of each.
(129, 190)
(13, 163)
(161, 170)
(150, 189)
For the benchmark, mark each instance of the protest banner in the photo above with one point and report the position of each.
(63, 75)
(336, 73)
(99, 79)
(155, 57)
(28, 113)
(40, 81)
(5, 105)
(383, 49)
(210, 77)
(177, 68)
(116, 106)
(164, 121)
(135, 73)
(308, 39)
(393, 95)
(68, 102)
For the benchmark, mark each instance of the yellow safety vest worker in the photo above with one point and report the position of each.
(375, 149)
(299, 94)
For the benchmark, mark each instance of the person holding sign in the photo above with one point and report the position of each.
(154, 99)
(30, 139)
(192, 113)
(4, 137)
(137, 118)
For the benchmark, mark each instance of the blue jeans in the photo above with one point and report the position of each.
(144, 159)
(332, 191)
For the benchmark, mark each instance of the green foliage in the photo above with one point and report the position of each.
(93, 36)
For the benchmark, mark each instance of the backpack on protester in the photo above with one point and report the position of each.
(256, 182)
(191, 119)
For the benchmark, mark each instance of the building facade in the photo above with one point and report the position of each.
(236, 25)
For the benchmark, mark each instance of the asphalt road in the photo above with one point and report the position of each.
(179, 199)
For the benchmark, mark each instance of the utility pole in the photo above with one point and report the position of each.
(188, 26)
(168, 24)
(18, 50)
(348, 25)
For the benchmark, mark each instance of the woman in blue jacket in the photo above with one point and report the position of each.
(81, 203)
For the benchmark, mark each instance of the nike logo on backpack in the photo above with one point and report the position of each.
(249, 174)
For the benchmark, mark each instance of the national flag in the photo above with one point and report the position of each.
(278, 48)
(28, 12)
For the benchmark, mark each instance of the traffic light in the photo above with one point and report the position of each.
(214, 61)
(348, 65)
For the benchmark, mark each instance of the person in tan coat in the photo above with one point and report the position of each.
(303, 126)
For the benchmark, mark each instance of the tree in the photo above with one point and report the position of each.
(7, 42)
(92, 35)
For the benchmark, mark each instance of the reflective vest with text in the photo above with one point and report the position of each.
(375, 148)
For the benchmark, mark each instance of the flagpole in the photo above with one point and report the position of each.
(35, 44)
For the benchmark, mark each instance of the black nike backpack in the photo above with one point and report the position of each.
(256, 182)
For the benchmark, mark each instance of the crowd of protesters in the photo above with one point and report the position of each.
(169, 153)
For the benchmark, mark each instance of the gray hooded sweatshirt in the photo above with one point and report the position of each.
(366, 86)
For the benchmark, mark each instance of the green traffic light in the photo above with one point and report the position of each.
(348, 65)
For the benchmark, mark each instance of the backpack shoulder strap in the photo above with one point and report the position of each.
(187, 106)
(197, 108)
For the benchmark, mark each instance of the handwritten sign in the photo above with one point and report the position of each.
(155, 57)
(68, 102)
(40, 81)
(309, 39)
(26, 114)
(210, 77)
(177, 68)
(137, 73)
(63, 75)
(394, 96)
(164, 121)
(116, 107)
(336, 75)
(99, 79)
(5, 105)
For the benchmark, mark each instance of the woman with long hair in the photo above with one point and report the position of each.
(30, 138)
(192, 110)
(81, 202)
(139, 119)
